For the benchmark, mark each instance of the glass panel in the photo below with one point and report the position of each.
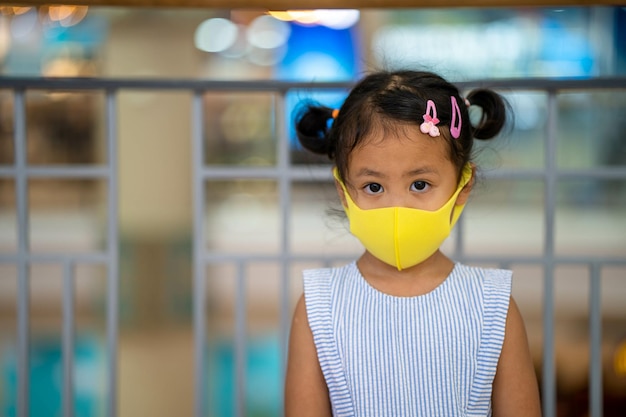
(527, 289)
(8, 216)
(318, 223)
(521, 142)
(90, 291)
(221, 282)
(46, 322)
(220, 295)
(45, 326)
(90, 362)
(296, 284)
(591, 129)
(571, 333)
(505, 218)
(66, 215)
(239, 129)
(65, 128)
(46, 288)
(262, 366)
(8, 337)
(263, 294)
(242, 217)
(7, 146)
(613, 293)
(90, 373)
(590, 218)
(263, 348)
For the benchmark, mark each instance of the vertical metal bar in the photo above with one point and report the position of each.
(284, 184)
(548, 377)
(459, 249)
(240, 342)
(112, 252)
(595, 340)
(68, 340)
(199, 283)
(23, 247)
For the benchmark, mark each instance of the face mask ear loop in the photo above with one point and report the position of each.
(465, 179)
(455, 129)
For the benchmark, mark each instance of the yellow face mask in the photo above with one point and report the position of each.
(400, 236)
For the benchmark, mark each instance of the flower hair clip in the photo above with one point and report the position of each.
(430, 120)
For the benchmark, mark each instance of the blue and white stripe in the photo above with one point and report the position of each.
(430, 355)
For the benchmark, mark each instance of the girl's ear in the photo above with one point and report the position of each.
(341, 193)
(339, 187)
(465, 192)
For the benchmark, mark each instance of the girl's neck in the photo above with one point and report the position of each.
(417, 280)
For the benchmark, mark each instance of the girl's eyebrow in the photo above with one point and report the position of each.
(368, 172)
(421, 171)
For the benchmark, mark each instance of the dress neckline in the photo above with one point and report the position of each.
(396, 298)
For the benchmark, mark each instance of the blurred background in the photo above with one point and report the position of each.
(156, 351)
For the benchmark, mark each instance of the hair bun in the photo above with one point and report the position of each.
(312, 129)
(494, 113)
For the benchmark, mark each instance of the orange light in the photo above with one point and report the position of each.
(67, 15)
(619, 360)
(283, 15)
(58, 13)
(13, 10)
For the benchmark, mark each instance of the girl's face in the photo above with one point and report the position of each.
(409, 169)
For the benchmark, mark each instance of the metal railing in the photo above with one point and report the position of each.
(285, 174)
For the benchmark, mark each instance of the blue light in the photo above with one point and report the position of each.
(318, 53)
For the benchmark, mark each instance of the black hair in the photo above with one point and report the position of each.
(384, 99)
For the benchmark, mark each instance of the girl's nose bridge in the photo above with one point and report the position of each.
(399, 198)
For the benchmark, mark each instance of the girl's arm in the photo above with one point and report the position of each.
(515, 392)
(306, 393)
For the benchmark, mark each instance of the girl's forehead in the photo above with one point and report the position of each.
(410, 147)
(386, 137)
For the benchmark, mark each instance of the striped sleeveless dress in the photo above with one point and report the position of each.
(433, 355)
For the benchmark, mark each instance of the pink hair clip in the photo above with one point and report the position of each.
(430, 120)
(455, 123)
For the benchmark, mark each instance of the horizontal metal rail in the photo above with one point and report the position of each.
(320, 173)
(540, 84)
(61, 172)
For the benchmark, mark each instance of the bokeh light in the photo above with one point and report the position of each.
(215, 35)
(334, 19)
(267, 32)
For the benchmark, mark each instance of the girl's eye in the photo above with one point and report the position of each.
(419, 186)
(373, 188)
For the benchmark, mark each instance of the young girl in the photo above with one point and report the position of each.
(405, 331)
